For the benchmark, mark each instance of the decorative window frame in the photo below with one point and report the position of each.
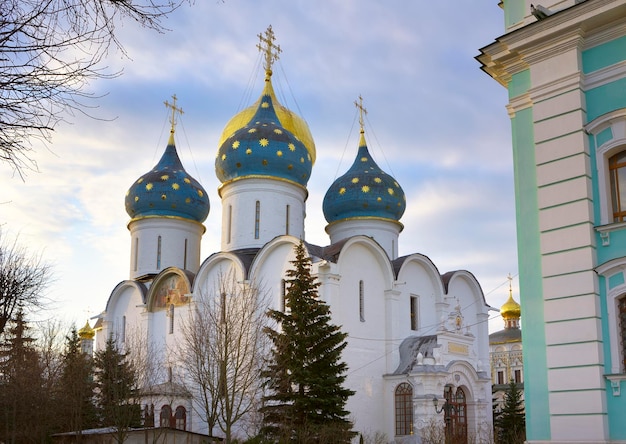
(608, 270)
(616, 121)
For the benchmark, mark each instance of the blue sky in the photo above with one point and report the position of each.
(435, 121)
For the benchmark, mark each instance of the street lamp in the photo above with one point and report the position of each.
(449, 409)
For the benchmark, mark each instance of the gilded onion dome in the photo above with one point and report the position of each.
(264, 147)
(86, 332)
(510, 310)
(364, 191)
(167, 190)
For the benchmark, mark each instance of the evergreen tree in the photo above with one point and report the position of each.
(75, 391)
(306, 398)
(23, 400)
(116, 390)
(510, 422)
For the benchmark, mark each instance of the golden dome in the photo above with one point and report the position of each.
(288, 119)
(510, 309)
(86, 332)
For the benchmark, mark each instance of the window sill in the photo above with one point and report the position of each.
(616, 380)
(605, 231)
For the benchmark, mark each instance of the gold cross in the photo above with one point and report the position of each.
(270, 49)
(362, 111)
(175, 109)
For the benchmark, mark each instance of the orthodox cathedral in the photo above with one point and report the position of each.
(417, 346)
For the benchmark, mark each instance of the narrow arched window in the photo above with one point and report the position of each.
(181, 418)
(617, 173)
(135, 254)
(158, 261)
(361, 301)
(283, 295)
(223, 308)
(404, 409)
(165, 416)
(229, 224)
(171, 316)
(257, 219)
(123, 330)
(287, 219)
(185, 256)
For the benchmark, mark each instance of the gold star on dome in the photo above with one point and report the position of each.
(342, 190)
(265, 105)
(165, 177)
(175, 186)
(235, 144)
(396, 184)
(264, 162)
(302, 160)
(390, 191)
(355, 180)
(140, 180)
(223, 156)
(186, 179)
(292, 147)
(200, 193)
(278, 131)
(365, 189)
(188, 200)
(136, 198)
(264, 142)
(248, 151)
(127, 192)
(279, 153)
(163, 196)
(364, 159)
(378, 180)
(290, 167)
(252, 130)
(149, 186)
(379, 199)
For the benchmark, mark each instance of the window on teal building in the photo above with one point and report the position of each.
(617, 171)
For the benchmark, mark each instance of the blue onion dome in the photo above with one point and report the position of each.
(167, 190)
(364, 191)
(264, 147)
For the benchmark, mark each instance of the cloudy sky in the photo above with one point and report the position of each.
(435, 121)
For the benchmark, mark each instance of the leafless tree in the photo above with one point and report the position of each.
(23, 279)
(49, 51)
(223, 350)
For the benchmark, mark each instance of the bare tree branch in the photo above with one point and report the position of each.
(49, 52)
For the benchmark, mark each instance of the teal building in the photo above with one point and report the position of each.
(564, 66)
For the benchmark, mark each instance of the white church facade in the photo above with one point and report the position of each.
(414, 334)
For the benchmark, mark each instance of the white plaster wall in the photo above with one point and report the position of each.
(384, 232)
(239, 206)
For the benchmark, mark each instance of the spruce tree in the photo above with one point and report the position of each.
(510, 422)
(76, 387)
(306, 398)
(116, 390)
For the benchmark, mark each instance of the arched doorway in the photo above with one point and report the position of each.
(455, 415)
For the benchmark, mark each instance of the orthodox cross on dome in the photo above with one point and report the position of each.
(267, 46)
(175, 110)
(362, 111)
(510, 278)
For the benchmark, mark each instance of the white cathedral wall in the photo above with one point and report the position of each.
(281, 211)
(174, 251)
(384, 232)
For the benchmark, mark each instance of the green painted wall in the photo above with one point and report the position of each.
(530, 278)
(513, 12)
(605, 98)
(604, 55)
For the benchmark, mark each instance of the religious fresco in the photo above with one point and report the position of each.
(172, 290)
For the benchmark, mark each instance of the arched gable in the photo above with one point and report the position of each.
(124, 287)
(421, 275)
(170, 287)
(464, 282)
(376, 251)
(216, 267)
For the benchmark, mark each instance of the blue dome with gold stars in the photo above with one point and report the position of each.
(364, 191)
(167, 190)
(264, 147)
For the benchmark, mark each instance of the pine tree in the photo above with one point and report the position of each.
(306, 398)
(510, 423)
(116, 390)
(76, 387)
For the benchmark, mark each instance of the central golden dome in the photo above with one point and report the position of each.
(511, 309)
(288, 119)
